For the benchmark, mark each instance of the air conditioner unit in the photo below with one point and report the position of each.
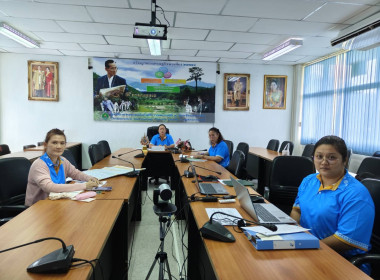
(362, 35)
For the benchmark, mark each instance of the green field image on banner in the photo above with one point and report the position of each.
(162, 89)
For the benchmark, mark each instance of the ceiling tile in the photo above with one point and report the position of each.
(249, 48)
(143, 56)
(284, 9)
(234, 60)
(32, 51)
(87, 53)
(172, 52)
(110, 48)
(186, 33)
(240, 37)
(108, 3)
(47, 11)
(28, 24)
(214, 22)
(199, 45)
(223, 54)
(363, 15)
(188, 58)
(129, 41)
(96, 28)
(69, 37)
(316, 42)
(61, 45)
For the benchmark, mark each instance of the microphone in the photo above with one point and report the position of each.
(217, 172)
(204, 150)
(133, 173)
(136, 156)
(58, 261)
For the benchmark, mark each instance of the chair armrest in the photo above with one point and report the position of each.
(13, 208)
(366, 258)
(4, 220)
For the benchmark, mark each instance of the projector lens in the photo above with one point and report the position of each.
(153, 32)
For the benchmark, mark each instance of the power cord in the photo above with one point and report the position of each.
(83, 261)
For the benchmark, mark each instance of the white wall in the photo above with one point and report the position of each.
(26, 122)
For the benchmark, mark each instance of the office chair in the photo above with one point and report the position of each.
(150, 132)
(14, 179)
(349, 153)
(273, 145)
(29, 146)
(283, 145)
(40, 143)
(369, 165)
(236, 163)
(244, 147)
(67, 154)
(105, 148)
(95, 152)
(373, 256)
(4, 149)
(230, 146)
(308, 151)
(376, 154)
(286, 175)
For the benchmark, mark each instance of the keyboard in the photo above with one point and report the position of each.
(264, 214)
(208, 188)
(212, 188)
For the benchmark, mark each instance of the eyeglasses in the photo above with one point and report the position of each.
(328, 158)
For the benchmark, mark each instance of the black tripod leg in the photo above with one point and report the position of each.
(151, 268)
(167, 265)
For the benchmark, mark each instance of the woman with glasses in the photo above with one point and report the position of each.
(335, 206)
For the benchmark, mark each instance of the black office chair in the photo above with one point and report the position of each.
(373, 256)
(369, 165)
(4, 149)
(286, 175)
(29, 146)
(150, 132)
(67, 154)
(308, 151)
(290, 147)
(244, 147)
(230, 146)
(236, 163)
(376, 154)
(14, 179)
(105, 148)
(40, 143)
(95, 152)
(349, 153)
(273, 145)
(159, 165)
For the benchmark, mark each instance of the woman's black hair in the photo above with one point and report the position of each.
(335, 141)
(220, 138)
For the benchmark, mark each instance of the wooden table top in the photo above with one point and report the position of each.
(41, 148)
(86, 226)
(30, 155)
(240, 260)
(264, 153)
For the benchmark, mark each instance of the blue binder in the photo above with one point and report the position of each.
(299, 240)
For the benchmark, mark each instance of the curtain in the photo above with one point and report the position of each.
(341, 96)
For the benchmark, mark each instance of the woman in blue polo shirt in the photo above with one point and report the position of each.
(336, 207)
(218, 151)
(162, 139)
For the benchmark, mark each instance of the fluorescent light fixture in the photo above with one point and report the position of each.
(17, 36)
(282, 49)
(154, 47)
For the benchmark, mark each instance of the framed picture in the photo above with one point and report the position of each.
(43, 80)
(236, 91)
(274, 96)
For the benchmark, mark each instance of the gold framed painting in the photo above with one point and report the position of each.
(236, 91)
(274, 96)
(43, 80)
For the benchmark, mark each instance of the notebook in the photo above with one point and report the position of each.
(208, 188)
(265, 213)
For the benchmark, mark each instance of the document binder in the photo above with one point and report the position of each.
(299, 240)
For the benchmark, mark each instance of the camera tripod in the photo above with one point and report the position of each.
(163, 211)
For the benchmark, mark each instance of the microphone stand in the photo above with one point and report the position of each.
(133, 173)
(217, 172)
(136, 156)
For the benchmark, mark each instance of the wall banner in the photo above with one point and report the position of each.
(154, 91)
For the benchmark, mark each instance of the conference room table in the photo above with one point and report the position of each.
(92, 228)
(210, 259)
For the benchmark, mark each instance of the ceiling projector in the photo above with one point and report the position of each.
(148, 31)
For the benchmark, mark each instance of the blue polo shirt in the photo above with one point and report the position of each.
(345, 210)
(56, 177)
(156, 140)
(220, 150)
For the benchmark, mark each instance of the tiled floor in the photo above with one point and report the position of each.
(147, 241)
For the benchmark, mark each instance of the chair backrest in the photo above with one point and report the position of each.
(308, 151)
(40, 143)
(153, 130)
(230, 146)
(29, 146)
(244, 147)
(4, 149)
(14, 179)
(236, 163)
(373, 187)
(95, 152)
(67, 154)
(273, 144)
(370, 165)
(283, 145)
(105, 148)
(376, 154)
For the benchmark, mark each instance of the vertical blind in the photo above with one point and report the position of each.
(341, 96)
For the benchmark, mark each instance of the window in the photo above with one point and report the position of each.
(341, 96)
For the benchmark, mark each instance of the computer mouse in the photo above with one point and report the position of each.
(211, 178)
(257, 199)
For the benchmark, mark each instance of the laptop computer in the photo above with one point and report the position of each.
(208, 188)
(265, 213)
